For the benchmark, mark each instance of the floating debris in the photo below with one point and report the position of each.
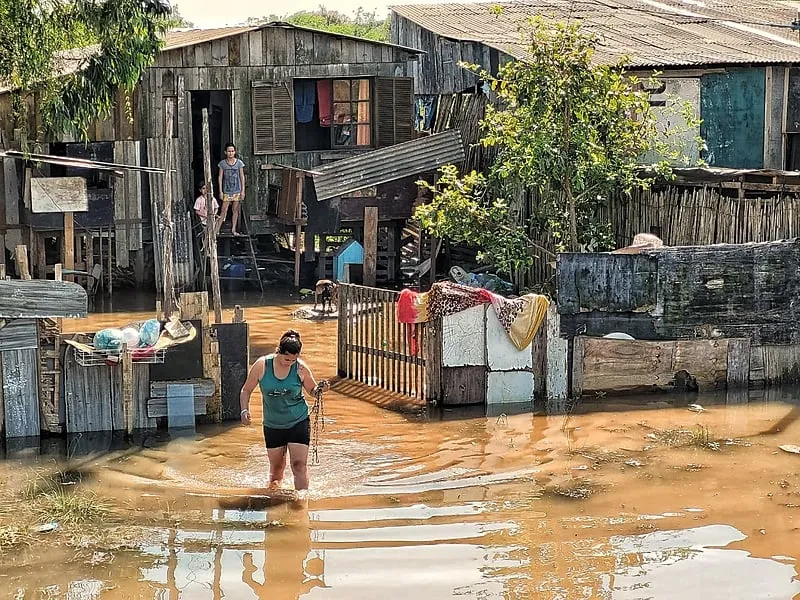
(45, 527)
(790, 448)
(696, 408)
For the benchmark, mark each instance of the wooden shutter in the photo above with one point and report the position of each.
(273, 117)
(394, 101)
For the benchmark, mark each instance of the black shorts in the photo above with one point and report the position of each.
(297, 434)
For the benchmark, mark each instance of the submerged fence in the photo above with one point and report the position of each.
(375, 349)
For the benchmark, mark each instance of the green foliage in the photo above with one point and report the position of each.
(568, 129)
(461, 212)
(362, 24)
(43, 41)
(177, 20)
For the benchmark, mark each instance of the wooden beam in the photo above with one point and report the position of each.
(170, 303)
(201, 387)
(68, 254)
(298, 227)
(41, 298)
(370, 244)
(22, 262)
(211, 235)
(58, 275)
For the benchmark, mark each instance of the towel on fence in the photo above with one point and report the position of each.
(520, 317)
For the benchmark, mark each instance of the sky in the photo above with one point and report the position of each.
(214, 13)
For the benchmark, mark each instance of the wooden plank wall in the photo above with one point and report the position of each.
(20, 392)
(604, 365)
(127, 203)
(93, 396)
(183, 250)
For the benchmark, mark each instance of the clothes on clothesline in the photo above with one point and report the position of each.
(520, 317)
(424, 112)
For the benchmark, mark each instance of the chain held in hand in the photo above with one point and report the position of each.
(318, 421)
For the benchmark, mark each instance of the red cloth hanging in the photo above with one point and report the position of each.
(324, 98)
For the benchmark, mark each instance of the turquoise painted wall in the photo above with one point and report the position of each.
(732, 109)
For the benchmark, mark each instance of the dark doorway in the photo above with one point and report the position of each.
(218, 103)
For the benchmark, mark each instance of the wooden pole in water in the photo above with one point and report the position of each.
(170, 303)
(370, 244)
(211, 234)
(298, 228)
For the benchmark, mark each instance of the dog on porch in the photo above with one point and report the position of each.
(327, 291)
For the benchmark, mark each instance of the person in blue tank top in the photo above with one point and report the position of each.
(282, 377)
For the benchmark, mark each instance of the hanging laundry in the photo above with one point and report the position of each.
(425, 109)
(520, 317)
(305, 95)
(325, 94)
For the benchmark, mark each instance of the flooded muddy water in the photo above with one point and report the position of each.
(619, 503)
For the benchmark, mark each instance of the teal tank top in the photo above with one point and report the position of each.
(283, 401)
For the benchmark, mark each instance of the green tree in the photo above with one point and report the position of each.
(566, 128)
(177, 20)
(362, 24)
(44, 51)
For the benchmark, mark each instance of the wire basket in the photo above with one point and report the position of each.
(97, 358)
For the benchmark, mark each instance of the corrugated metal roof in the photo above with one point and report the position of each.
(652, 33)
(388, 164)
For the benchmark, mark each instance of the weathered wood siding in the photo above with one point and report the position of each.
(438, 71)
(724, 291)
(20, 391)
(93, 396)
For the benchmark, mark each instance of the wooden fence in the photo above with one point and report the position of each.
(375, 349)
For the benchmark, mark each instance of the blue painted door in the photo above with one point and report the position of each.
(732, 109)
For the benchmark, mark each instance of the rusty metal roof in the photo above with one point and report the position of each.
(388, 164)
(651, 33)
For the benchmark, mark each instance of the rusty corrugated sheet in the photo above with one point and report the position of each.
(652, 33)
(388, 164)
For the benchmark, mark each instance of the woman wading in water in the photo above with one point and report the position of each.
(282, 378)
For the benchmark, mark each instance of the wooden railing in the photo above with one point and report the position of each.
(375, 349)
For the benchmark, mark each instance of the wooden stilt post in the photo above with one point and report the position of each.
(298, 228)
(68, 247)
(370, 244)
(22, 262)
(170, 303)
(211, 235)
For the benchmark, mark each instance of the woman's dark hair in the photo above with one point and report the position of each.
(200, 187)
(290, 343)
(230, 145)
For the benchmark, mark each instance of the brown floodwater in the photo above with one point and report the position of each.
(615, 501)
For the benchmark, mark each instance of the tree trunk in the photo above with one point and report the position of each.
(573, 219)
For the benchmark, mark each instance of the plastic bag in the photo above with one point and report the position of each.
(149, 333)
(108, 339)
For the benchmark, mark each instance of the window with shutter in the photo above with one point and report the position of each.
(394, 101)
(273, 117)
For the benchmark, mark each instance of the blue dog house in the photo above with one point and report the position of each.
(349, 253)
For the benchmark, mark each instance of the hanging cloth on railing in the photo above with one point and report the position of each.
(520, 317)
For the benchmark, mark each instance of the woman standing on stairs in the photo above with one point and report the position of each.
(231, 185)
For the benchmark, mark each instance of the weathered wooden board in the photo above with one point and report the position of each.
(738, 363)
(93, 396)
(628, 366)
(202, 387)
(40, 298)
(19, 334)
(463, 385)
(20, 392)
(140, 378)
(59, 195)
(731, 291)
(157, 407)
(234, 356)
